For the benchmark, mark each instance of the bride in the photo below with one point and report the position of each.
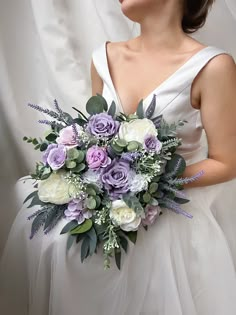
(181, 266)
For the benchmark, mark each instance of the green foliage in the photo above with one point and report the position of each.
(84, 227)
(140, 112)
(69, 226)
(96, 105)
(151, 108)
(133, 146)
(133, 203)
(112, 109)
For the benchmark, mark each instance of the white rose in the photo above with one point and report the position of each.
(124, 216)
(137, 130)
(55, 189)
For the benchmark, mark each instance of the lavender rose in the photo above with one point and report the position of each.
(46, 153)
(151, 213)
(67, 136)
(56, 157)
(97, 157)
(116, 178)
(151, 143)
(76, 211)
(102, 125)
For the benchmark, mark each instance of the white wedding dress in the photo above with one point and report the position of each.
(180, 266)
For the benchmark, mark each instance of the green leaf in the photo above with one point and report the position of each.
(35, 141)
(79, 237)
(70, 241)
(132, 236)
(121, 143)
(139, 111)
(118, 257)
(112, 109)
(133, 203)
(146, 197)
(124, 243)
(85, 248)
(46, 173)
(153, 188)
(51, 137)
(95, 105)
(80, 121)
(30, 196)
(181, 201)
(79, 168)
(177, 164)
(81, 156)
(93, 240)
(91, 203)
(70, 164)
(69, 226)
(72, 154)
(90, 191)
(98, 201)
(151, 108)
(84, 227)
(36, 202)
(116, 147)
(43, 146)
(103, 100)
(133, 146)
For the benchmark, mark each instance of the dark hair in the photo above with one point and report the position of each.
(195, 14)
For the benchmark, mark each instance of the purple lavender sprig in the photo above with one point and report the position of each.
(58, 108)
(186, 180)
(51, 123)
(178, 193)
(174, 206)
(175, 170)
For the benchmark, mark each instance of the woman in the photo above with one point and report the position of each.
(180, 266)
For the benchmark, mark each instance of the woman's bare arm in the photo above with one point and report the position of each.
(97, 83)
(218, 112)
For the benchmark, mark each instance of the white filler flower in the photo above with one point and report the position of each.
(137, 130)
(124, 216)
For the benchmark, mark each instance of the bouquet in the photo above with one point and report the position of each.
(107, 175)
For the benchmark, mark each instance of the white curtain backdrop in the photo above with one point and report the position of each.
(45, 53)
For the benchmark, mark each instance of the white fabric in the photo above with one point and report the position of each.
(180, 266)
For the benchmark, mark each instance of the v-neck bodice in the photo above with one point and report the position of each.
(173, 96)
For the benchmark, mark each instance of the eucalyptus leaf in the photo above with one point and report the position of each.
(91, 203)
(80, 121)
(51, 137)
(70, 164)
(103, 100)
(116, 147)
(79, 168)
(36, 202)
(153, 188)
(93, 240)
(133, 146)
(73, 154)
(90, 191)
(121, 143)
(95, 105)
(81, 156)
(43, 146)
(146, 197)
(124, 243)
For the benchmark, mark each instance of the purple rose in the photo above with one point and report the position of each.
(56, 157)
(102, 125)
(116, 178)
(151, 143)
(97, 157)
(151, 213)
(46, 153)
(76, 211)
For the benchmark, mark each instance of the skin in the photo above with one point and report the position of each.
(164, 46)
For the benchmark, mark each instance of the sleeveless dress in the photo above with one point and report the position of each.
(180, 266)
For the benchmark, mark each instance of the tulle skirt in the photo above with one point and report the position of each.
(180, 266)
